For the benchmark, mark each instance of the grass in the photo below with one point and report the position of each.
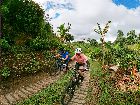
(92, 96)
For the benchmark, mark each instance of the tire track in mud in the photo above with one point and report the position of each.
(80, 94)
(26, 92)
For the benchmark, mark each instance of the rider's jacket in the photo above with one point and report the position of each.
(80, 59)
(64, 56)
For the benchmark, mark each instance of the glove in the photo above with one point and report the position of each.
(63, 59)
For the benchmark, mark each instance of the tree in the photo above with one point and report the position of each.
(69, 37)
(109, 44)
(120, 38)
(21, 16)
(139, 36)
(64, 33)
(92, 42)
(131, 37)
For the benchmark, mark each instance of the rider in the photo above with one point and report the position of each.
(65, 56)
(80, 59)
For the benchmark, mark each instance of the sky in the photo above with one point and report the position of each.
(85, 14)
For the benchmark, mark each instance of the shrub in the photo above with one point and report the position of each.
(4, 44)
(5, 72)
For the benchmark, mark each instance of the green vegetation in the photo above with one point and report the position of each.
(28, 40)
(102, 32)
(122, 53)
(5, 72)
(28, 43)
(64, 33)
(107, 93)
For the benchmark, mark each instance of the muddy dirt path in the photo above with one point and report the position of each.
(12, 84)
(80, 94)
(27, 91)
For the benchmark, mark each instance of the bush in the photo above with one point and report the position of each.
(96, 53)
(29, 63)
(40, 43)
(5, 72)
(4, 44)
(27, 12)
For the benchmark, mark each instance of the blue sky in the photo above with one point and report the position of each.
(55, 16)
(58, 5)
(130, 4)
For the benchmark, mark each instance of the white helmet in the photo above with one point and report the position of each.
(78, 50)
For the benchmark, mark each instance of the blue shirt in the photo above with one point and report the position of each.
(64, 55)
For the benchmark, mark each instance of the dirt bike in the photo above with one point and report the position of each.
(75, 80)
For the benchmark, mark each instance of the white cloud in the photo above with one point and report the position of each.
(40, 1)
(88, 12)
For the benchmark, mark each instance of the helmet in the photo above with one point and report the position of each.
(78, 50)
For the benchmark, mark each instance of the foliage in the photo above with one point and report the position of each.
(121, 55)
(5, 72)
(96, 53)
(39, 43)
(4, 44)
(108, 94)
(26, 62)
(69, 37)
(102, 32)
(28, 38)
(21, 17)
(16, 49)
(120, 38)
(64, 33)
(92, 42)
(131, 37)
(121, 52)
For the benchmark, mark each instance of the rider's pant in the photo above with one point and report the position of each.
(66, 62)
(78, 65)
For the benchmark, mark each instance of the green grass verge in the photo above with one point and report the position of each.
(51, 94)
(108, 94)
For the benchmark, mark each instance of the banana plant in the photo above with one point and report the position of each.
(102, 32)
